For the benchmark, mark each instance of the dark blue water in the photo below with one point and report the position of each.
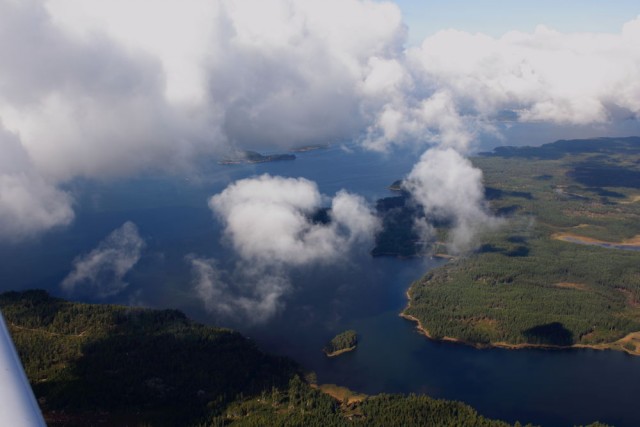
(547, 387)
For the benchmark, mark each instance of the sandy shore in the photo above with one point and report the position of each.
(339, 352)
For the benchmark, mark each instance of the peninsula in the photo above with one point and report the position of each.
(563, 270)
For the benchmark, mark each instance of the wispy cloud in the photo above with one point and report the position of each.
(253, 296)
(447, 186)
(101, 272)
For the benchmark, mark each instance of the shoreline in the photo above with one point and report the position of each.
(616, 345)
(339, 352)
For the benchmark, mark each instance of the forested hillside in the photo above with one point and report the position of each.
(112, 365)
(109, 363)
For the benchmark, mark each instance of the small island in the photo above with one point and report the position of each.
(306, 148)
(397, 186)
(255, 157)
(341, 343)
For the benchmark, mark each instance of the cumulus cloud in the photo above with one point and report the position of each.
(269, 222)
(84, 105)
(267, 219)
(28, 203)
(101, 89)
(447, 186)
(456, 85)
(100, 273)
(293, 72)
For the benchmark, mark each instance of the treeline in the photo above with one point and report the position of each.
(302, 405)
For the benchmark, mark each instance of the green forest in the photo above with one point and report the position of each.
(111, 365)
(524, 285)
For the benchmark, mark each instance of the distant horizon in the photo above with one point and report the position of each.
(497, 17)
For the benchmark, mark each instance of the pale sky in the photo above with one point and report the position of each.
(496, 17)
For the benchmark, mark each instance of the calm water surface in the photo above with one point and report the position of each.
(554, 388)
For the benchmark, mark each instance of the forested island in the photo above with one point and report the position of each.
(564, 270)
(111, 365)
(342, 343)
(255, 157)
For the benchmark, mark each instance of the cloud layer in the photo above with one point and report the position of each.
(99, 89)
(100, 273)
(543, 76)
(456, 84)
(269, 222)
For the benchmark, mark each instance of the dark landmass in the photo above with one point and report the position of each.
(559, 149)
(341, 343)
(255, 157)
(90, 364)
(398, 236)
(563, 270)
(111, 365)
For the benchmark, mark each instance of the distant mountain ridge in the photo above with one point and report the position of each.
(558, 149)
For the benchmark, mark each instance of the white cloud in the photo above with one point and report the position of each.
(97, 88)
(447, 186)
(253, 297)
(268, 220)
(28, 203)
(100, 273)
(86, 105)
(292, 72)
(545, 75)
(269, 223)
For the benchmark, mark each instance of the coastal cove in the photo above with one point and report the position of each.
(549, 387)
